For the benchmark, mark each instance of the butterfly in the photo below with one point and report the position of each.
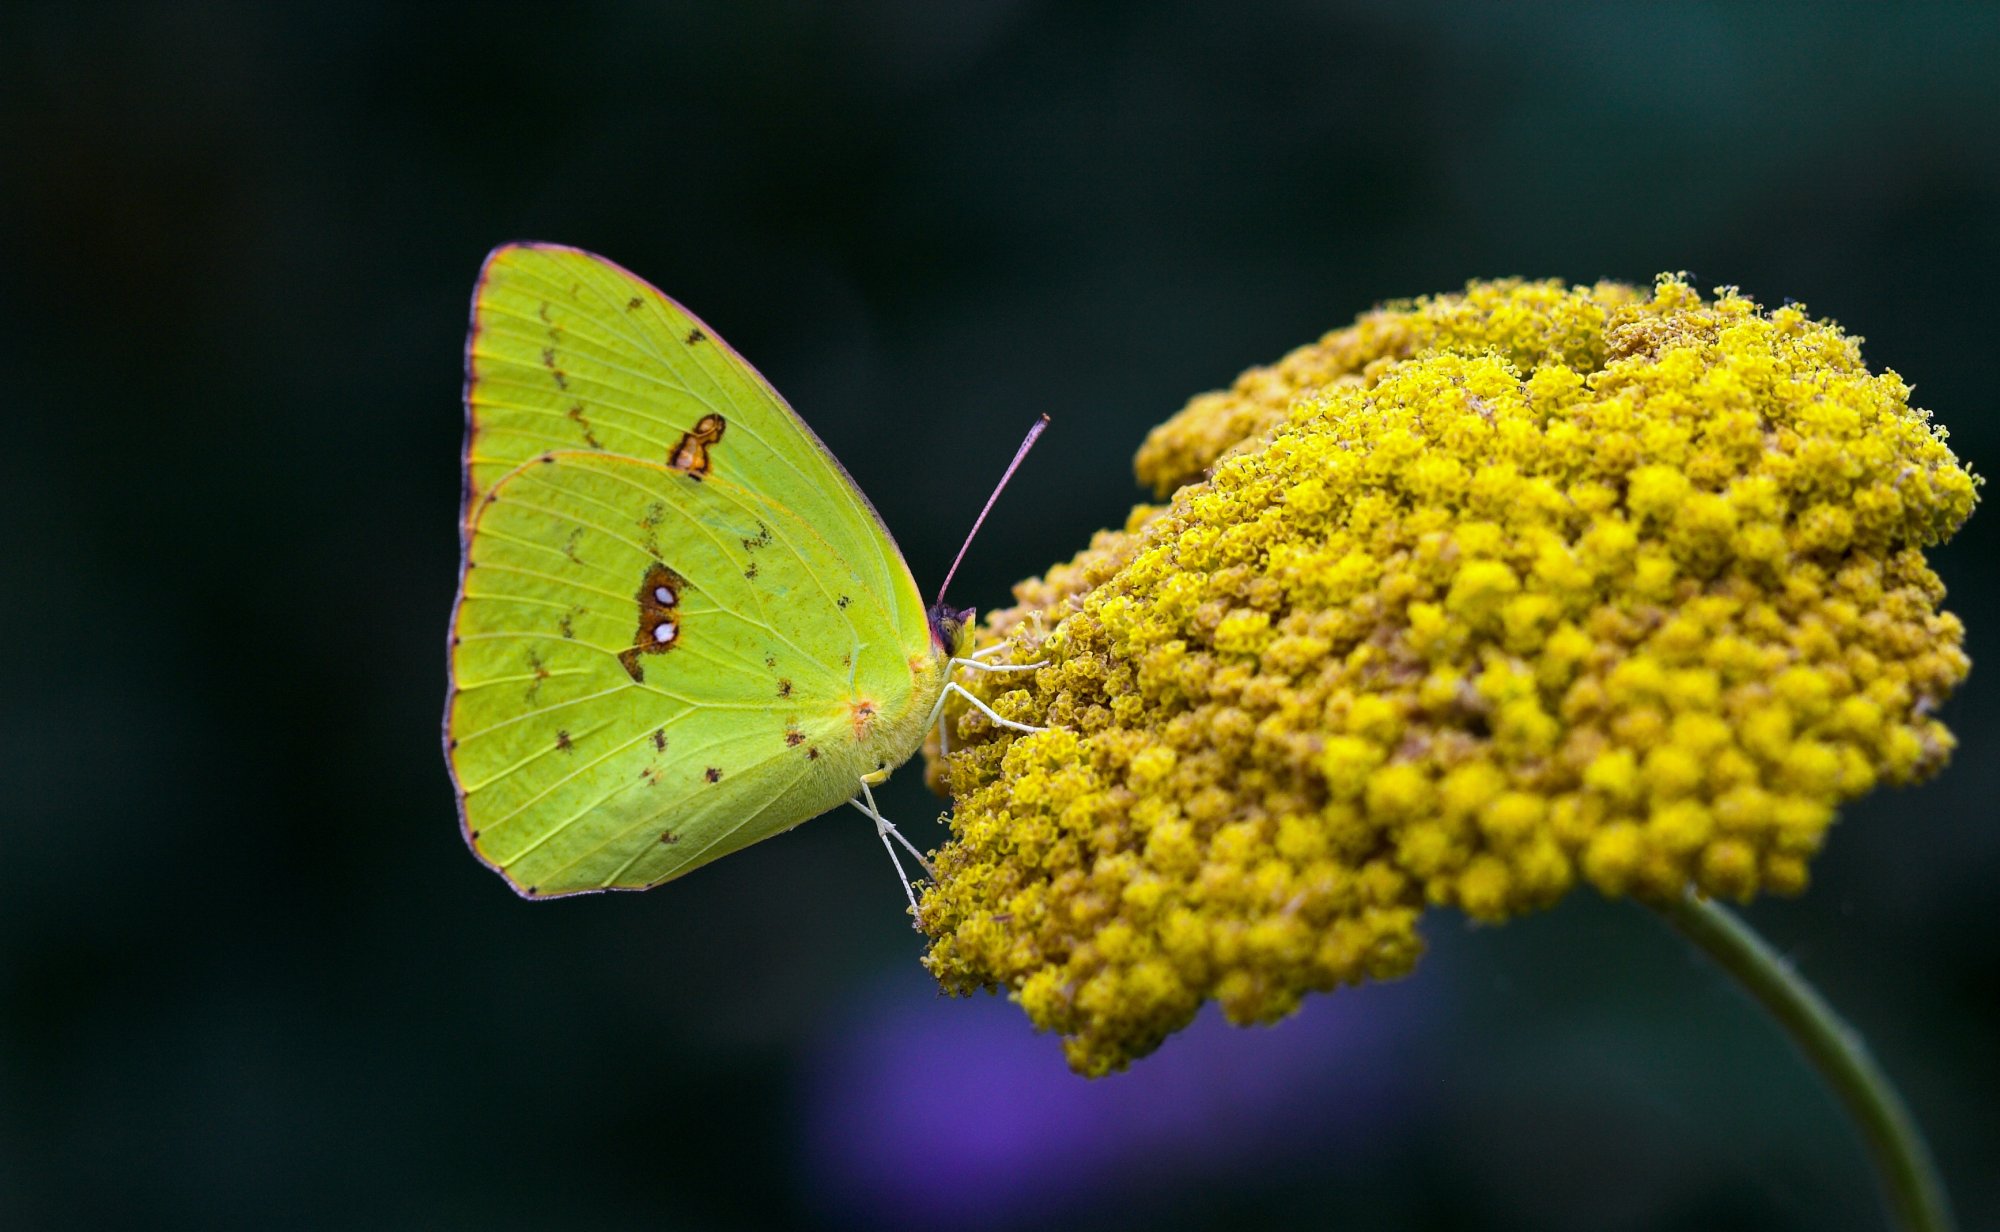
(680, 627)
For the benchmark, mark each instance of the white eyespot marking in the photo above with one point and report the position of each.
(665, 596)
(664, 631)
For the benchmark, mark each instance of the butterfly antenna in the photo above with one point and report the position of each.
(980, 521)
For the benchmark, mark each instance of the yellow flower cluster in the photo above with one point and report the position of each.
(1529, 323)
(1487, 595)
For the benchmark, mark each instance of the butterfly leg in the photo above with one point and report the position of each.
(915, 852)
(885, 830)
(979, 665)
(973, 662)
(937, 710)
(978, 705)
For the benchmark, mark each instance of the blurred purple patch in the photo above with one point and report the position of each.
(924, 1110)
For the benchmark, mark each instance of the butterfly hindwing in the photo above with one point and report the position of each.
(650, 671)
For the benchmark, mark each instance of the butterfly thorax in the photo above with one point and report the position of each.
(889, 732)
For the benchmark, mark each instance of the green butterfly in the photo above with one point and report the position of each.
(680, 627)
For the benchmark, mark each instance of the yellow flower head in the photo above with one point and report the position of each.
(1486, 595)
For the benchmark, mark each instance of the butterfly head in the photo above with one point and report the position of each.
(951, 628)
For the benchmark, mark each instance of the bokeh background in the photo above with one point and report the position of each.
(249, 977)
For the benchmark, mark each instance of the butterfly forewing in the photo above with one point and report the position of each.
(570, 351)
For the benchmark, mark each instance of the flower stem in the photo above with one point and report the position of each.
(1909, 1177)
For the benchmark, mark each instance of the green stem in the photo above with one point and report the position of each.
(1914, 1192)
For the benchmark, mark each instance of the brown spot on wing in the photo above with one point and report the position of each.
(668, 836)
(660, 739)
(713, 774)
(634, 304)
(540, 673)
(862, 715)
(750, 574)
(563, 741)
(583, 421)
(692, 453)
(659, 599)
(784, 687)
(812, 752)
(695, 336)
(648, 538)
(794, 739)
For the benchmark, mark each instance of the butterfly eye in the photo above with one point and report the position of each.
(665, 596)
(664, 631)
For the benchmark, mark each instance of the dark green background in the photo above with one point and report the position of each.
(249, 978)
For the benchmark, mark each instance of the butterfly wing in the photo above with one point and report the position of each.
(568, 350)
(678, 639)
